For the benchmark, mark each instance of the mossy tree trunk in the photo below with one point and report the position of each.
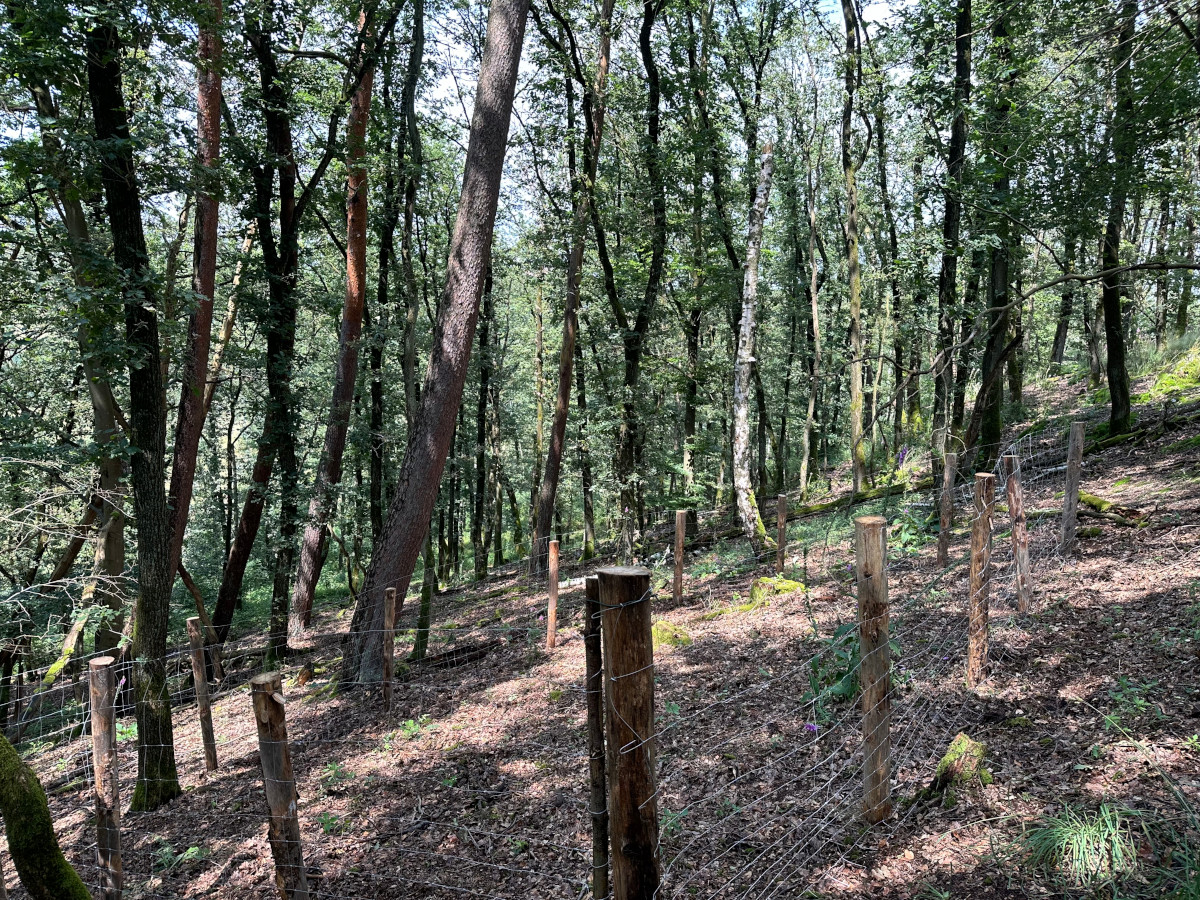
(43, 870)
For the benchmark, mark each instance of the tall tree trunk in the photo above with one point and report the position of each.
(951, 225)
(892, 265)
(1160, 278)
(585, 462)
(539, 433)
(999, 280)
(393, 561)
(389, 219)
(1058, 350)
(966, 327)
(157, 781)
(852, 64)
(329, 469)
(593, 116)
(814, 331)
(1124, 143)
(192, 410)
(1185, 293)
(748, 513)
(478, 544)
(631, 433)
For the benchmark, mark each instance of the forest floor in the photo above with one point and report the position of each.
(477, 784)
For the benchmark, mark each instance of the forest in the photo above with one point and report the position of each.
(436, 359)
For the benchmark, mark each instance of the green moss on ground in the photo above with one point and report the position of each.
(666, 634)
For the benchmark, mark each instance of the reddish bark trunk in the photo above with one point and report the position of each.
(470, 254)
(204, 275)
(329, 471)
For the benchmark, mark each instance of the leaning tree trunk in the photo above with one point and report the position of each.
(157, 781)
(469, 256)
(752, 524)
(329, 470)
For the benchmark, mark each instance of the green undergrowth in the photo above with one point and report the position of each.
(1176, 374)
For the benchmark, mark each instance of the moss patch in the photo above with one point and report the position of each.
(765, 588)
(960, 767)
(667, 635)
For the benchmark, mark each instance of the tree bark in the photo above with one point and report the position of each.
(999, 281)
(43, 870)
(593, 115)
(852, 65)
(752, 524)
(329, 469)
(469, 256)
(951, 224)
(194, 370)
(1124, 142)
(157, 780)
(478, 545)
(1058, 350)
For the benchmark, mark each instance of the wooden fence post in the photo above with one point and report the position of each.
(680, 533)
(594, 689)
(875, 668)
(981, 576)
(195, 632)
(629, 728)
(1020, 532)
(283, 830)
(103, 696)
(781, 510)
(947, 509)
(1066, 544)
(552, 605)
(389, 646)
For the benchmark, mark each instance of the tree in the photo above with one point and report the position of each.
(157, 780)
(747, 506)
(404, 533)
(850, 166)
(593, 116)
(329, 470)
(1123, 147)
(943, 370)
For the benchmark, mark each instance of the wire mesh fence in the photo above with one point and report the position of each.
(475, 783)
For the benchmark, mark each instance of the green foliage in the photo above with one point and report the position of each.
(1083, 848)
(334, 824)
(165, 859)
(413, 728)
(910, 531)
(1131, 699)
(672, 822)
(334, 774)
